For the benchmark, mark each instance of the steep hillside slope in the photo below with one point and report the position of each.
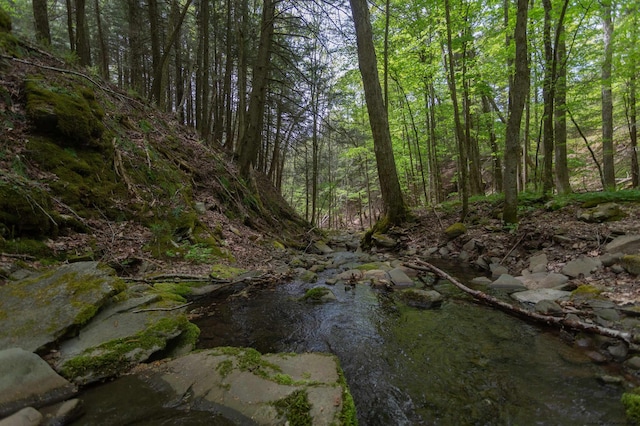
(90, 172)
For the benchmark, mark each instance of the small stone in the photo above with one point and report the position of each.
(444, 252)
(633, 363)
(609, 259)
(455, 230)
(538, 263)
(617, 269)
(469, 245)
(535, 296)
(582, 266)
(626, 244)
(610, 380)
(399, 278)
(631, 263)
(507, 283)
(497, 270)
(597, 357)
(608, 314)
(548, 307)
(481, 281)
(619, 351)
(200, 207)
(463, 256)
(423, 299)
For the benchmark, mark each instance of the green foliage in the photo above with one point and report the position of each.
(25, 210)
(5, 21)
(315, 294)
(631, 402)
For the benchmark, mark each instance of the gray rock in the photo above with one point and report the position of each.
(618, 351)
(221, 377)
(399, 278)
(384, 241)
(423, 299)
(63, 413)
(469, 245)
(27, 380)
(609, 259)
(430, 251)
(617, 269)
(582, 266)
(322, 247)
(67, 297)
(200, 207)
(507, 283)
(481, 281)
(306, 275)
(601, 213)
(119, 337)
(535, 296)
(626, 244)
(497, 270)
(633, 363)
(28, 416)
(532, 280)
(538, 263)
(631, 263)
(482, 263)
(463, 256)
(548, 307)
(608, 314)
(444, 252)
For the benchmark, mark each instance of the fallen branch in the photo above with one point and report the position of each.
(173, 308)
(18, 256)
(509, 308)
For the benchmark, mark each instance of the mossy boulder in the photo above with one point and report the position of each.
(39, 310)
(319, 295)
(607, 212)
(455, 230)
(71, 113)
(25, 210)
(631, 263)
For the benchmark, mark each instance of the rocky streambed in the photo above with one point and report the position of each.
(80, 324)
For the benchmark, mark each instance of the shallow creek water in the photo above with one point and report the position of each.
(460, 364)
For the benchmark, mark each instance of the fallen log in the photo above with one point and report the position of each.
(629, 338)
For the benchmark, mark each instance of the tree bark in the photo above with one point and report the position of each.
(607, 100)
(548, 99)
(70, 32)
(560, 113)
(102, 42)
(395, 211)
(251, 141)
(83, 46)
(517, 98)
(41, 18)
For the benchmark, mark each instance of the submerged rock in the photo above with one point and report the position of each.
(27, 380)
(399, 278)
(37, 311)
(423, 299)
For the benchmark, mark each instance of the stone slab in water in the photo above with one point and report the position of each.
(507, 283)
(399, 278)
(249, 383)
(27, 380)
(39, 310)
(535, 296)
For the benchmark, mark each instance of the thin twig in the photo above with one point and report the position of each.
(513, 248)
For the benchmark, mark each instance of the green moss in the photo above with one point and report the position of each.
(278, 245)
(295, 408)
(586, 289)
(371, 266)
(315, 294)
(348, 414)
(189, 337)
(117, 355)
(631, 263)
(35, 248)
(631, 402)
(225, 367)
(72, 113)
(249, 359)
(455, 230)
(25, 210)
(85, 315)
(225, 272)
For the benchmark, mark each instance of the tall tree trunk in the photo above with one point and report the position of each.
(155, 37)
(103, 57)
(178, 71)
(82, 34)
(41, 18)
(135, 45)
(548, 99)
(607, 99)
(70, 31)
(633, 128)
(202, 73)
(517, 96)
(394, 206)
(496, 164)
(251, 140)
(463, 174)
(560, 122)
(241, 114)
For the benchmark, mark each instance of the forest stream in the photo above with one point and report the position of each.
(461, 363)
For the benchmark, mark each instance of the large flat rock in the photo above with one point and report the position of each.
(535, 296)
(27, 380)
(627, 244)
(37, 311)
(240, 385)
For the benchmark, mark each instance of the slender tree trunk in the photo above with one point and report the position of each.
(560, 112)
(496, 164)
(607, 99)
(135, 45)
(517, 97)
(250, 143)
(103, 57)
(463, 175)
(82, 34)
(41, 18)
(633, 130)
(394, 206)
(548, 99)
(70, 31)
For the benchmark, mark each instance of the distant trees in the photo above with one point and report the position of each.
(276, 85)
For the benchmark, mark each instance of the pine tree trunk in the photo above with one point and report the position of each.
(82, 34)
(560, 123)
